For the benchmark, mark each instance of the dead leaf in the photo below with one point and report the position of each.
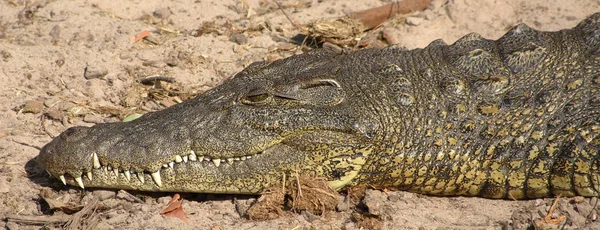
(141, 35)
(373, 17)
(174, 209)
(68, 208)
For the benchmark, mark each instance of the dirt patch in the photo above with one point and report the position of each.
(68, 63)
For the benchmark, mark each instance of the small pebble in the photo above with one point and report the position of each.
(92, 72)
(55, 33)
(93, 118)
(145, 208)
(408, 195)
(309, 216)
(428, 15)
(50, 102)
(241, 206)
(250, 201)
(238, 38)
(351, 226)
(127, 206)
(594, 200)
(164, 200)
(12, 226)
(163, 13)
(374, 200)
(103, 194)
(112, 214)
(539, 202)
(4, 186)
(414, 21)
(216, 227)
(171, 62)
(33, 106)
(390, 35)
(393, 197)
(578, 199)
(342, 205)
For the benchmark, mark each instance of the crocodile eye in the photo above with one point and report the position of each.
(256, 97)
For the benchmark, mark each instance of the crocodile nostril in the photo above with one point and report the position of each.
(70, 131)
(74, 133)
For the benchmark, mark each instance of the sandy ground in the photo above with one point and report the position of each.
(76, 62)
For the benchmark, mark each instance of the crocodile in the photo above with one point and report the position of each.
(517, 117)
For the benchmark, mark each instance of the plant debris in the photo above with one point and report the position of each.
(302, 193)
(349, 31)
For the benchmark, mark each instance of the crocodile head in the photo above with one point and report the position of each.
(292, 115)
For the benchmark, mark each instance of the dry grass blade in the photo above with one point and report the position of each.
(86, 218)
(38, 220)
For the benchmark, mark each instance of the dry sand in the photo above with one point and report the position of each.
(46, 47)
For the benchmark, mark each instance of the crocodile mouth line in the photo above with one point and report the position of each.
(116, 172)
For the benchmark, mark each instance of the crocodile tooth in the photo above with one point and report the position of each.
(216, 161)
(156, 178)
(89, 175)
(185, 159)
(171, 164)
(237, 158)
(230, 160)
(178, 159)
(127, 175)
(248, 157)
(79, 182)
(141, 176)
(193, 156)
(116, 171)
(105, 169)
(200, 158)
(109, 168)
(165, 165)
(62, 178)
(96, 160)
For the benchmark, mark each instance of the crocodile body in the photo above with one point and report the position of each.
(517, 117)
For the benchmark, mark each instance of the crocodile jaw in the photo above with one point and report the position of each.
(193, 173)
(81, 157)
(189, 173)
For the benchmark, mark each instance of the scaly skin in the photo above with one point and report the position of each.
(514, 118)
